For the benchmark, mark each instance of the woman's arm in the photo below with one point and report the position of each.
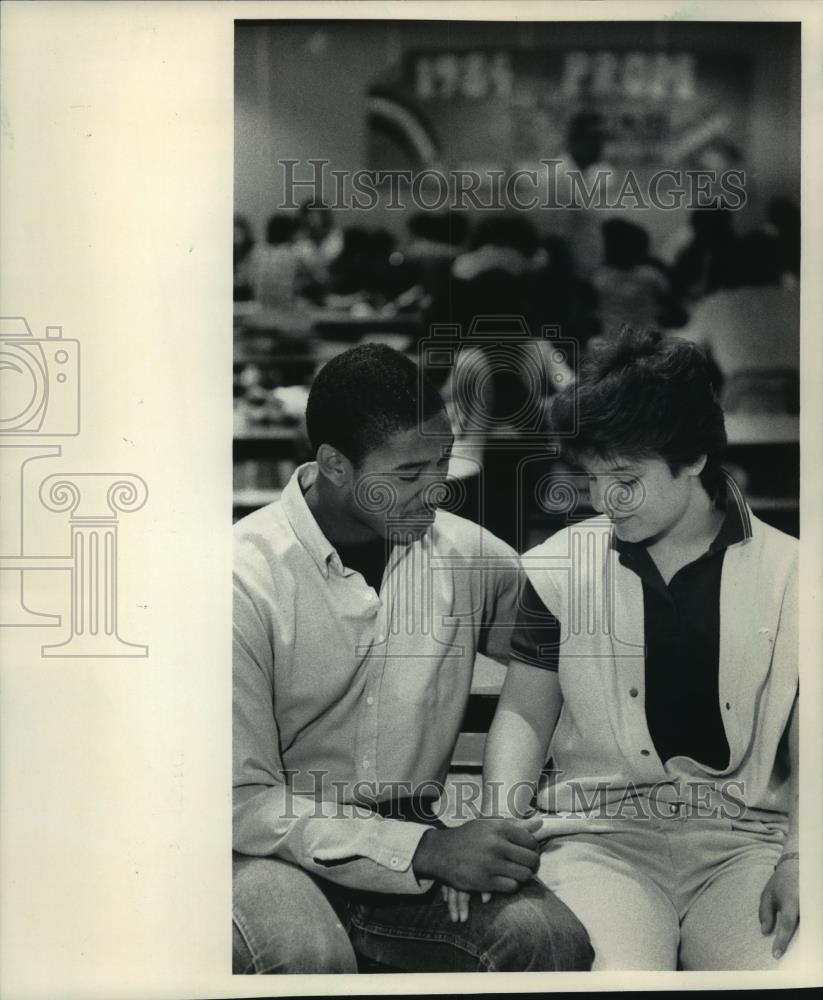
(780, 900)
(519, 738)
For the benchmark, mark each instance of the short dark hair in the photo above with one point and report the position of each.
(641, 396)
(363, 396)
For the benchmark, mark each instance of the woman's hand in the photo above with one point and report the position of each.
(458, 902)
(779, 905)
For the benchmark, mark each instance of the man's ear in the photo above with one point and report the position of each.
(334, 465)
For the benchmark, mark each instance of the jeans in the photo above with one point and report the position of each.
(288, 921)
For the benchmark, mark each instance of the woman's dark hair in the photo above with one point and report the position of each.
(363, 396)
(641, 396)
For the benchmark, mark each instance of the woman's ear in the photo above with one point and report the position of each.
(697, 466)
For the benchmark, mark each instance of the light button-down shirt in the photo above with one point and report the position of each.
(335, 685)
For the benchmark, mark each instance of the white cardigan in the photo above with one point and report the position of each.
(599, 742)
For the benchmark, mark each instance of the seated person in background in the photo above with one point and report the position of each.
(279, 277)
(752, 324)
(666, 631)
(563, 298)
(363, 270)
(700, 266)
(435, 239)
(436, 236)
(243, 245)
(358, 611)
(629, 283)
(318, 240)
(582, 157)
(784, 223)
(506, 244)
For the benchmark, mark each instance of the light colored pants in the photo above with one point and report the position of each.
(667, 893)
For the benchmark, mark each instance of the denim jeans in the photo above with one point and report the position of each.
(288, 921)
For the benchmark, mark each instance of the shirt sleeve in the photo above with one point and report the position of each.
(500, 608)
(536, 637)
(343, 843)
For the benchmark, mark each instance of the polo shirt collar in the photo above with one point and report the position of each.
(738, 516)
(302, 520)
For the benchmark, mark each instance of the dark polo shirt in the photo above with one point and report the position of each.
(682, 637)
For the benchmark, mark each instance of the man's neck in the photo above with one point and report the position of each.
(332, 519)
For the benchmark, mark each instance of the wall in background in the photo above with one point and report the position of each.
(302, 87)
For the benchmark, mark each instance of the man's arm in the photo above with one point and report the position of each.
(340, 842)
(345, 844)
(515, 752)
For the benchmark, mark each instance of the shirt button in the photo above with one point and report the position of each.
(644, 753)
(633, 692)
(728, 706)
(395, 861)
(365, 763)
(369, 700)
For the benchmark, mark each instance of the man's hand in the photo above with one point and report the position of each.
(779, 905)
(483, 855)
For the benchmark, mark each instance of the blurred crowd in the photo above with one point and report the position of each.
(737, 293)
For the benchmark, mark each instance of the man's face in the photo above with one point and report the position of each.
(398, 486)
(641, 496)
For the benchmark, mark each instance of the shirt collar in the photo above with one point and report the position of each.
(738, 516)
(307, 529)
(302, 520)
(736, 526)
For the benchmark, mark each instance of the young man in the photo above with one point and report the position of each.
(359, 608)
(655, 660)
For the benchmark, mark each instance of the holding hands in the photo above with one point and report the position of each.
(484, 855)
